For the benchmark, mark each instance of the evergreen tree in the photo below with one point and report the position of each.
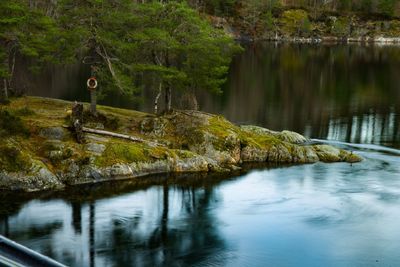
(24, 31)
(170, 46)
(386, 7)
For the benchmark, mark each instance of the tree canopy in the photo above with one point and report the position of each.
(129, 45)
(25, 31)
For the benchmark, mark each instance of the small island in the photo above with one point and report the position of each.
(40, 152)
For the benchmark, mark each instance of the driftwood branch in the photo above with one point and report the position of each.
(117, 135)
(112, 134)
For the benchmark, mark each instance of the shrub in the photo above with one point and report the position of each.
(295, 22)
(10, 124)
(341, 27)
(12, 159)
(25, 111)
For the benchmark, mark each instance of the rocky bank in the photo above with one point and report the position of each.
(299, 25)
(38, 153)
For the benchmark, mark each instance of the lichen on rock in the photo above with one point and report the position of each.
(184, 141)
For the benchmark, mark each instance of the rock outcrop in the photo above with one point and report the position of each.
(185, 141)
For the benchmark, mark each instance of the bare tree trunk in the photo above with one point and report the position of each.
(168, 99)
(12, 70)
(105, 56)
(168, 93)
(157, 98)
(189, 101)
(4, 94)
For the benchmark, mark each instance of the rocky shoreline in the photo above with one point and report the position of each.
(333, 39)
(326, 29)
(181, 142)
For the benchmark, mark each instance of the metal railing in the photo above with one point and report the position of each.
(13, 254)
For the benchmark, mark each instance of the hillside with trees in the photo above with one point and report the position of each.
(271, 19)
(130, 46)
(183, 46)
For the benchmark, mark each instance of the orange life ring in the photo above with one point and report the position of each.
(91, 83)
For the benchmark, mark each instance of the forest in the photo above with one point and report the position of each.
(167, 45)
(128, 45)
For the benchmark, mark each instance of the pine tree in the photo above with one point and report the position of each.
(26, 32)
(180, 49)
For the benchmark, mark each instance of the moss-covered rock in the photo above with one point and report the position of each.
(287, 136)
(184, 141)
(36, 177)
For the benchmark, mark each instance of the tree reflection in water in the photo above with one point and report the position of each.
(145, 226)
(322, 91)
(188, 238)
(312, 89)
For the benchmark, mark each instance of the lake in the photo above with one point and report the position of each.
(301, 215)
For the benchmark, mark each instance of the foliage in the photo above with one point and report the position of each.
(340, 27)
(269, 21)
(13, 159)
(221, 7)
(142, 45)
(386, 7)
(25, 111)
(11, 124)
(179, 48)
(27, 32)
(257, 14)
(295, 21)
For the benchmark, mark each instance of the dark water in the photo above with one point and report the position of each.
(338, 92)
(310, 215)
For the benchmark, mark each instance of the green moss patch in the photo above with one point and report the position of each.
(121, 153)
(220, 127)
(10, 124)
(12, 159)
(25, 111)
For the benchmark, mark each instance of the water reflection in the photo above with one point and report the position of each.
(154, 226)
(341, 92)
(371, 128)
(310, 215)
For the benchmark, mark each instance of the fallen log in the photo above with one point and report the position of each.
(112, 134)
(116, 135)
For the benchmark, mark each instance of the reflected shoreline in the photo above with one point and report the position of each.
(283, 215)
(331, 91)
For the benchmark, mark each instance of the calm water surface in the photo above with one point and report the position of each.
(310, 215)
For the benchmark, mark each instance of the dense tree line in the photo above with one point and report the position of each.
(130, 45)
(234, 7)
(134, 45)
(268, 19)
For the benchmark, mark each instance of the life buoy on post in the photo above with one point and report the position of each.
(91, 83)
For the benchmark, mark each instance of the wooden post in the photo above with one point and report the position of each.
(93, 102)
(92, 86)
